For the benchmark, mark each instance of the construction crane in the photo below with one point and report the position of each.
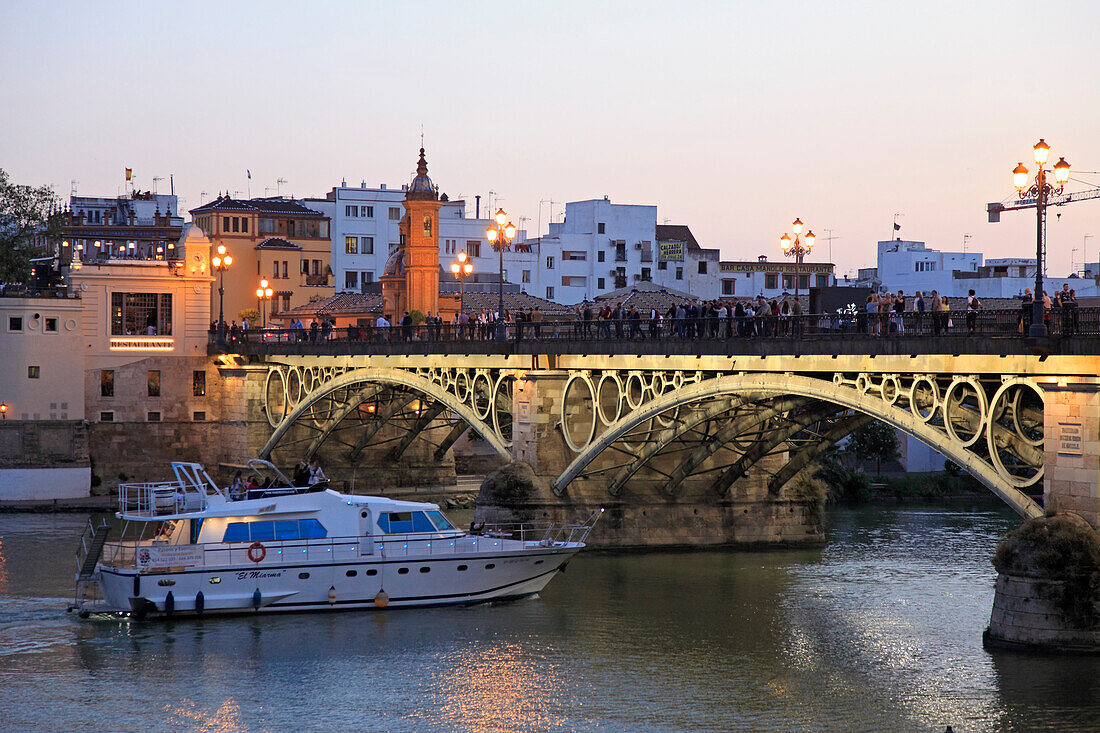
(1055, 199)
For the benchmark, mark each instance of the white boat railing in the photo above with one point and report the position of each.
(188, 493)
(253, 556)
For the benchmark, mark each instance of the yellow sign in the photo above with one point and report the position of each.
(142, 343)
(670, 250)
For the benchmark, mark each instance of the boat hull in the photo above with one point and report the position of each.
(354, 584)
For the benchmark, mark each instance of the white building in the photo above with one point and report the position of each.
(911, 266)
(364, 230)
(772, 279)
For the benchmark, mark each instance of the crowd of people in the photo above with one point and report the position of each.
(882, 314)
(306, 474)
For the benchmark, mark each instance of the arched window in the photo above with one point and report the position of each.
(427, 226)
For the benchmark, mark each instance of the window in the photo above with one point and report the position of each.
(702, 267)
(600, 256)
(525, 276)
(225, 223)
(317, 267)
(368, 211)
(367, 245)
(244, 225)
(395, 213)
(647, 274)
(51, 325)
(305, 267)
(198, 383)
(822, 281)
(351, 245)
(368, 277)
(473, 247)
(290, 529)
(804, 282)
(351, 211)
(662, 265)
(579, 256)
(788, 282)
(401, 239)
(574, 281)
(236, 223)
(15, 323)
(107, 383)
(154, 382)
(600, 228)
(152, 417)
(549, 263)
(599, 283)
(549, 293)
(275, 270)
(285, 263)
(135, 313)
(728, 287)
(351, 280)
(441, 523)
(199, 416)
(679, 273)
(427, 226)
(771, 281)
(34, 372)
(404, 522)
(108, 416)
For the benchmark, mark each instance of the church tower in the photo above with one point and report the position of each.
(420, 230)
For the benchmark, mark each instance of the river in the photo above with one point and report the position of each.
(878, 631)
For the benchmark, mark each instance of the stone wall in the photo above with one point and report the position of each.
(44, 459)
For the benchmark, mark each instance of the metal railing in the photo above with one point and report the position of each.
(490, 539)
(1013, 323)
(158, 498)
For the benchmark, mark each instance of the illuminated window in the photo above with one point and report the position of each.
(107, 383)
(132, 314)
(351, 245)
(34, 372)
(154, 382)
(198, 383)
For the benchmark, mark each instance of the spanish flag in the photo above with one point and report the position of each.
(129, 173)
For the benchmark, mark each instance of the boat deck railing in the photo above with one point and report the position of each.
(261, 555)
(188, 493)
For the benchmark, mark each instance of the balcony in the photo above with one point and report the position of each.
(317, 281)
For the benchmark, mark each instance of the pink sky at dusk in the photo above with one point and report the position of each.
(733, 118)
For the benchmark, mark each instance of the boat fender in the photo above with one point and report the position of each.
(257, 598)
(257, 552)
(169, 603)
(382, 599)
(200, 603)
(331, 594)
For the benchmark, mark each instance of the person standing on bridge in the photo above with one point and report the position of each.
(972, 307)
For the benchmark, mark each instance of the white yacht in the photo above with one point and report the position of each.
(189, 548)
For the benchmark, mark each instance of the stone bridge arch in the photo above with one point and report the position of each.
(914, 404)
(463, 396)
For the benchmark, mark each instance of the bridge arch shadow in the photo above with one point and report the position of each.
(960, 421)
(470, 398)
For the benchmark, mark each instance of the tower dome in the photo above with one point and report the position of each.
(422, 186)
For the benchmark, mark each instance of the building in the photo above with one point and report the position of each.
(772, 279)
(141, 225)
(911, 266)
(410, 280)
(365, 232)
(277, 239)
(43, 440)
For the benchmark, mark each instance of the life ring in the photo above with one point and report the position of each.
(257, 552)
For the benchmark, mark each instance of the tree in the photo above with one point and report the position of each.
(875, 440)
(25, 222)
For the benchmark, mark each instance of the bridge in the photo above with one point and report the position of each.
(708, 436)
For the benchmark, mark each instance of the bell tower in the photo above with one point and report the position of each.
(420, 232)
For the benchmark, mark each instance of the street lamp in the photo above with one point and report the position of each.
(1039, 191)
(462, 268)
(221, 261)
(798, 247)
(264, 293)
(4, 410)
(500, 236)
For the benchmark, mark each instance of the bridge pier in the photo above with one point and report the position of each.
(1048, 585)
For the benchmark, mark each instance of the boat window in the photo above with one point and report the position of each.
(292, 529)
(262, 531)
(440, 521)
(404, 522)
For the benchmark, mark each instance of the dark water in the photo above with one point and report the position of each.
(880, 631)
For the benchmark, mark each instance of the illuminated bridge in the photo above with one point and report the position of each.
(707, 438)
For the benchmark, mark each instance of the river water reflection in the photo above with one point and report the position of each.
(879, 631)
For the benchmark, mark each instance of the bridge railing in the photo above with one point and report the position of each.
(1014, 323)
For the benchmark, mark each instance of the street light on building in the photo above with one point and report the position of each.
(1040, 190)
(798, 248)
(500, 235)
(462, 268)
(221, 262)
(264, 293)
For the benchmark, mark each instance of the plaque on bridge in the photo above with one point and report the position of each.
(1070, 439)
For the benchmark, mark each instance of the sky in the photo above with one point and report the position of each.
(731, 117)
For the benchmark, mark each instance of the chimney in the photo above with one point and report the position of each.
(477, 207)
(132, 215)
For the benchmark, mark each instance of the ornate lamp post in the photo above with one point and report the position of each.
(264, 293)
(500, 236)
(221, 261)
(4, 410)
(1040, 190)
(797, 248)
(462, 268)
